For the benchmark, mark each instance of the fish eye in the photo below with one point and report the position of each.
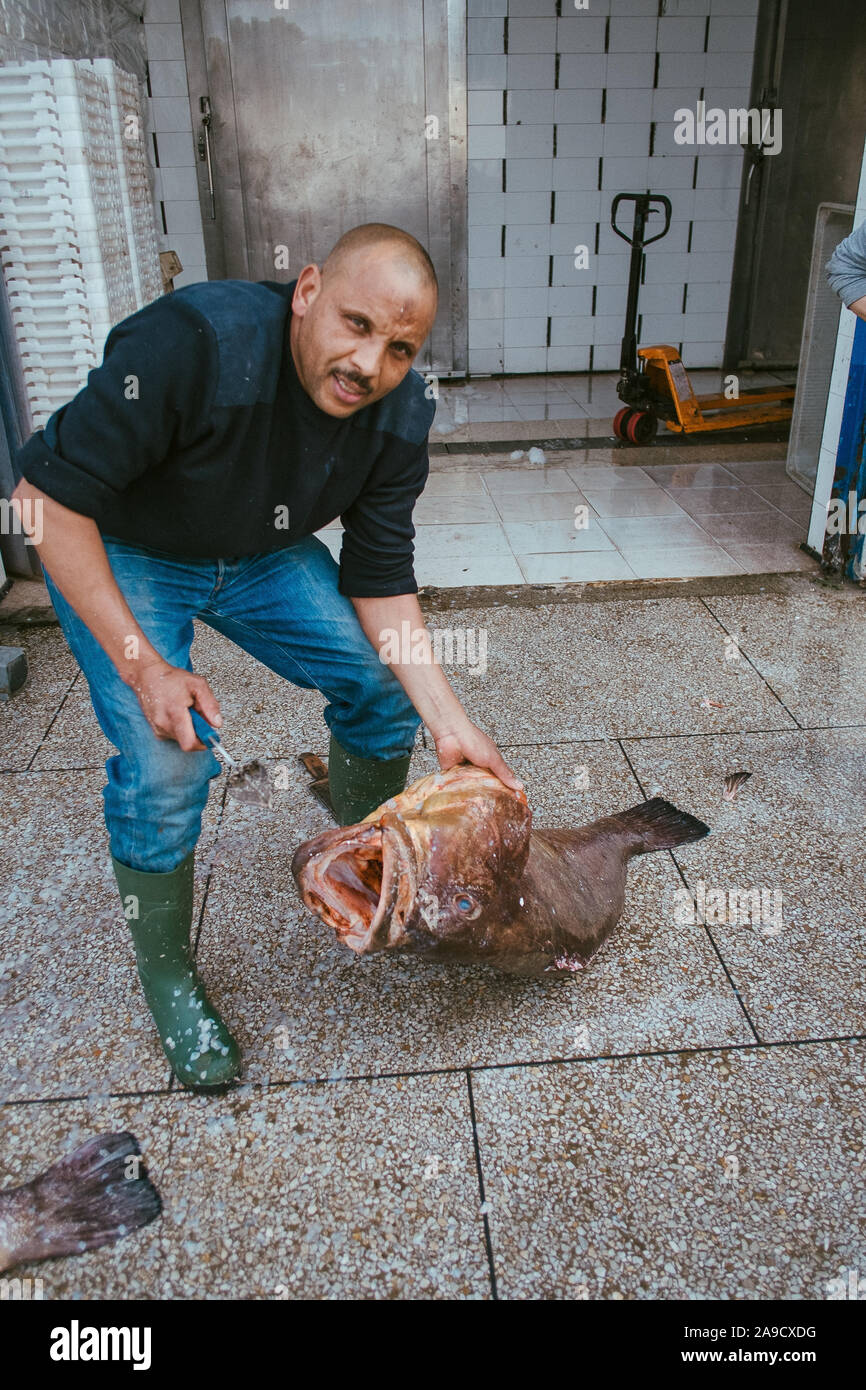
(466, 905)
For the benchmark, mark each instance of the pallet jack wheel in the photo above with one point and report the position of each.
(641, 427)
(620, 420)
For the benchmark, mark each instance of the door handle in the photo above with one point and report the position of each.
(756, 156)
(204, 149)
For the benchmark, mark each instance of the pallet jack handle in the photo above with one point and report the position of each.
(643, 208)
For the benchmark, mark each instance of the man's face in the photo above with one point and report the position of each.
(355, 332)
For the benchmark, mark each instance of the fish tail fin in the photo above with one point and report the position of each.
(657, 824)
(90, 1197)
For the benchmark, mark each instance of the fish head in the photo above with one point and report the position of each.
(432, 871)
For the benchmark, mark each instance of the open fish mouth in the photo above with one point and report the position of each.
(360, 881)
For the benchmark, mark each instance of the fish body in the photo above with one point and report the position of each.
(453, 870)
(90, 1197)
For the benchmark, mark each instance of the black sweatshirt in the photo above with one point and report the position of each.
(196, 437)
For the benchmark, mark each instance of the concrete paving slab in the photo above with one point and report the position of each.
(693, 475)
(633, 501)
(536, 481)
(456, 571)
(704, 501)
(788, 496)
(795, 833)
(454, 483)
(461, 509)
(768, 557)
(720, 1175)
(547, 506)
(556, 536)
(757, 471)
(435, 542)
(27, 716)
(580, 566)
(769, 527)
(34, 1136)
(74, 738)
(74, 1019)
(365, 1190)
(808, 645)
(630, 667)
(353, 1191)
(632, 533)
(682, 561)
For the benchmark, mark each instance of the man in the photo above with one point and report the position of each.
(227, 423)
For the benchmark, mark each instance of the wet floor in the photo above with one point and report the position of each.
(683, 1121)
(528, 485)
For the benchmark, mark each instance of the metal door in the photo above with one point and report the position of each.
(809, 62)
(318, 117)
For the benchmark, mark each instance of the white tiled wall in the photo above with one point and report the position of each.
(566, 108)
(172, 150)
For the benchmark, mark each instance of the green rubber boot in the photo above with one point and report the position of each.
(158, 907)
(358, 785)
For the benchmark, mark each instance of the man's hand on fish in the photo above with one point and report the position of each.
(467, 743)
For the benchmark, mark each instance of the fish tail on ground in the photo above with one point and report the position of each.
(89, 1198)
(657, 824)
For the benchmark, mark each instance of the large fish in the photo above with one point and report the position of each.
(452, 870)
(91, 1197)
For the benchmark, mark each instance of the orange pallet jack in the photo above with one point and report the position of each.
(657, 386)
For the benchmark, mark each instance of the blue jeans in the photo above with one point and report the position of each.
(284, 609)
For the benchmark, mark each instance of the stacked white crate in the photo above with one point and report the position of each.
(84, 106)
(131, 162)
(73, 219)
(40, 246)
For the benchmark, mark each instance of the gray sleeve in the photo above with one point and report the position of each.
(846, 268)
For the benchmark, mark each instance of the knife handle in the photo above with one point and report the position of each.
(203, 730)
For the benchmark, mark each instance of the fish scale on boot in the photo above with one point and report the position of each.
(200, 1049)
(452, 870)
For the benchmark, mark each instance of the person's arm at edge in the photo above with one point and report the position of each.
(846, 271)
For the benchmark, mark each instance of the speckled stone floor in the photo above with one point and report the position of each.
(684, 1121)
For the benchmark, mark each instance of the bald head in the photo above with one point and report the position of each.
(360, 319)
(392, 242)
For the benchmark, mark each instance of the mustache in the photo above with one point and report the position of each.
(361, 382)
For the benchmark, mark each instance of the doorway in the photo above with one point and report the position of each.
(312, 120)
(809, 63)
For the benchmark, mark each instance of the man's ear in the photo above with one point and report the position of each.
(307, 288)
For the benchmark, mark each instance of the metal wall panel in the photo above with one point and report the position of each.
(318, 124)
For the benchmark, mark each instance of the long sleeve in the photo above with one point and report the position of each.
(377, 550)
(846, 268)
(151, 391)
